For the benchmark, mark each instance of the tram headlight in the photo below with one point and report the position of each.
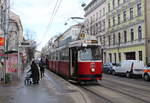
(92, 69)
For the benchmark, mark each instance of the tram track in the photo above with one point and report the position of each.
(129, 94)
(97, 94)
(133, 88)
(122, 94)
(127, 90)
(130, 84)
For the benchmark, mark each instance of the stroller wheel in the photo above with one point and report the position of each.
(25, 82)
(30, 83)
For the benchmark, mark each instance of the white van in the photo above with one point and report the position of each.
(129, 68)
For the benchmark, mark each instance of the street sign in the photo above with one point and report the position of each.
(27, 44)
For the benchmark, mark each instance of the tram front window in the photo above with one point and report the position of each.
(90, 54)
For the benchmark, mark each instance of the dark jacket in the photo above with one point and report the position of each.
(34, 71)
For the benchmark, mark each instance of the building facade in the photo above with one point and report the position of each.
(126, 33)
(15, 32)
(95, 20)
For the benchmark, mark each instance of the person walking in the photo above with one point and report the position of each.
(46, 63)
(42, 67)
(34, 73)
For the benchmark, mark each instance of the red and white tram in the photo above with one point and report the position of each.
(79, 60)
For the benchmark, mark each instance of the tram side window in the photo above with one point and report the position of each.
(64, 54)
(56, 56)
(53, 57)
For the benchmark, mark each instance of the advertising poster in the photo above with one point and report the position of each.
(1, 41)
(11, 63)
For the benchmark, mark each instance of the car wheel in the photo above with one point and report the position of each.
(108, 71)
(127, 74)
(146, 77)
(113, 72)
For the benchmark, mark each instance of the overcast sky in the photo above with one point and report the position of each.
(35, 16)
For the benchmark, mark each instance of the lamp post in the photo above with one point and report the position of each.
(80, 25)
(5, 24)
(74, 18)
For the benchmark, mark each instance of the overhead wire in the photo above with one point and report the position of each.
(55, 10)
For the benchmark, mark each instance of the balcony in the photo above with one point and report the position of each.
(127, 44)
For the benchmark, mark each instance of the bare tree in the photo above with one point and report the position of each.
(29, 36)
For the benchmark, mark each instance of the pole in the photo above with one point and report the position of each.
(5, 28)
(18, 65)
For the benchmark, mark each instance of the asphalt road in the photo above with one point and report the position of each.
(116, 89)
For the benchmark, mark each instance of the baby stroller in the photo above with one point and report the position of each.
(28, 79)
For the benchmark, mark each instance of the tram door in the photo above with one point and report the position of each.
(73, 61)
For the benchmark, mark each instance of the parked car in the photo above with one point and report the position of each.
(129, 68)
(108, 67)
(146, 73)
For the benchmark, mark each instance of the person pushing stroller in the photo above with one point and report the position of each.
(34, 73)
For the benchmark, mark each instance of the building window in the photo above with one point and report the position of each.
(103, 11)
(132, 34)
(104, 40)
(96, 27)
(139, 9)
(115, 57)
(97, 16)
(118, 18)
(140, 55)
(131, 13)
(109, 23)
(124, 1)
(139, 32)
(109, 7)
(125, 36)
(124, 16)
(114, 39)
(110, 57)
(113, 2)
(94, 18)
(104, 24)
(101, 40)
(100, 14)
(118, 2)
(113, 21)
(100, 26)
(119, 38)
(119, 55)
(109, 39)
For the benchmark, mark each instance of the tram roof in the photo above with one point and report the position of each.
(83, 43)
(79, 43)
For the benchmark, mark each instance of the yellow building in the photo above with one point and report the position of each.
(127, 35)
(126, 30)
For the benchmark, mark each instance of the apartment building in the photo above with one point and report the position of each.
(15, 32)
(126, 35)
(95, 19)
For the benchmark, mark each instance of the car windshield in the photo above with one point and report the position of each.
(147, 67)
(115, 64)
(91, 53)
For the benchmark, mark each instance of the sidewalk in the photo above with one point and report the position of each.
(52, 89)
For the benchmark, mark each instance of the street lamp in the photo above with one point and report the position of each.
(74, 18)
(83, 4)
